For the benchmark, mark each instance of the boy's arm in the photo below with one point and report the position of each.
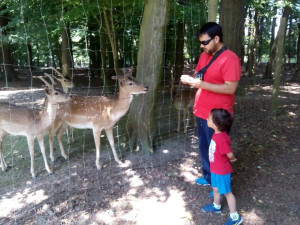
(231, 157)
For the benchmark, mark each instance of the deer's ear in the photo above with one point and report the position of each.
(119, 77)
(47, 90)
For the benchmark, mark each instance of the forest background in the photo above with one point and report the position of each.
(156, 40)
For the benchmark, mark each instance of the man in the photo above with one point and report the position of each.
(216, 86)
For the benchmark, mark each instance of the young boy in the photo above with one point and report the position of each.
(220, 156)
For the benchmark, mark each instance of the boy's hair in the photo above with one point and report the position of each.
(212, 29)
(222, 119)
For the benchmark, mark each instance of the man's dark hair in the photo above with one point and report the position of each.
(212, 29)
(222, 119)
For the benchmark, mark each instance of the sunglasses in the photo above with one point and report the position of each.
(205, 42)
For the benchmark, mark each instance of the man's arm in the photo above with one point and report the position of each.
(229, 87)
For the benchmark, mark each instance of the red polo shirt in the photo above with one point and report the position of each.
(226, 67)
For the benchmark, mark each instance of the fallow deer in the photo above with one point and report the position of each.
(16, 120)
(65, 81)
(184, 101)
(97, 113)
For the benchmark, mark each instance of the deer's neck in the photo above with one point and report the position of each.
(122, 103)
(49, 115)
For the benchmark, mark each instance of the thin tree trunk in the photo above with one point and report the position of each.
(149, 71)
(253, 48)
(179, 57)
(280, 37)
(212, 8)
(110, 29)
(9, 74)
(66, 53)
(297, 72)
(289, 39)
(272, 53)
(30, 64)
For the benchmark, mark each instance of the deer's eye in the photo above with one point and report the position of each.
(130, 83)
(56, 93)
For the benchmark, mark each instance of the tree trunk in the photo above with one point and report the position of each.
(253, 48)
(288, 53)
(149, 71)
(280, 44)
(232, 22)
(110, 30)
(8, 72)
(94, 49)
(297, 72)
(272, 53)
(179, 60)
(29, 49)
(66, 53)
(212, 8)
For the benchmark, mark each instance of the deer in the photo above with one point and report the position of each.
(16, 120)
(97, 113)
(65, 81)
(66, 84)
(184, 101)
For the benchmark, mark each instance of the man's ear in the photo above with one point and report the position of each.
(217, 39)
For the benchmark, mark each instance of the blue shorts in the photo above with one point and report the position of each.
(222, 182)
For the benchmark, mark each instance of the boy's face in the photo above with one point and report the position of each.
(210, 122)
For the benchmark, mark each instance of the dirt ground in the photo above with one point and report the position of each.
(159, 189)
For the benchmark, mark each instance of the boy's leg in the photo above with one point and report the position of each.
(231, 202)
(217, 196)
(216, 205)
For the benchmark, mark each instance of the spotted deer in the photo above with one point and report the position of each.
(184, 101)
(97, 113)
(16, 120)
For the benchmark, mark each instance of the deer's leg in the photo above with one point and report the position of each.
(2, 159)
(42, 147)
(59, 135)
(110, 137)
(185, 123)
(72, 133)
(68, 136)
(178, 123)
(51, 137)
(97, 134)
(30, 142)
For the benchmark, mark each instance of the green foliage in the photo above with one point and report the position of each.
(39, 23)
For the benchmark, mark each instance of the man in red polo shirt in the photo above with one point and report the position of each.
(216, 87)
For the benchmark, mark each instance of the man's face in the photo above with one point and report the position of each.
(208, 44)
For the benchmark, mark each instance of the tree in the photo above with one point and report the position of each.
(66, 52)
(280, 44)
(232, 22)
(272, 52)
(149, 71)
(5, 58)
(297, 72)
(212, 9)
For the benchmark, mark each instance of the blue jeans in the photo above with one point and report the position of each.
(205, 134)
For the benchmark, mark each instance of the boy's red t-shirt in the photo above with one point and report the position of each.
(218, 149)
(227, 67)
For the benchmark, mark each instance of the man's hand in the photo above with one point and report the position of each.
(186, 79)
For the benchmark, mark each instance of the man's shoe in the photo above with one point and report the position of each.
(210, 208)
(201, 181)
(234, 222)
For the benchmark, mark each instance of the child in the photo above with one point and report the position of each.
(220, 156)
